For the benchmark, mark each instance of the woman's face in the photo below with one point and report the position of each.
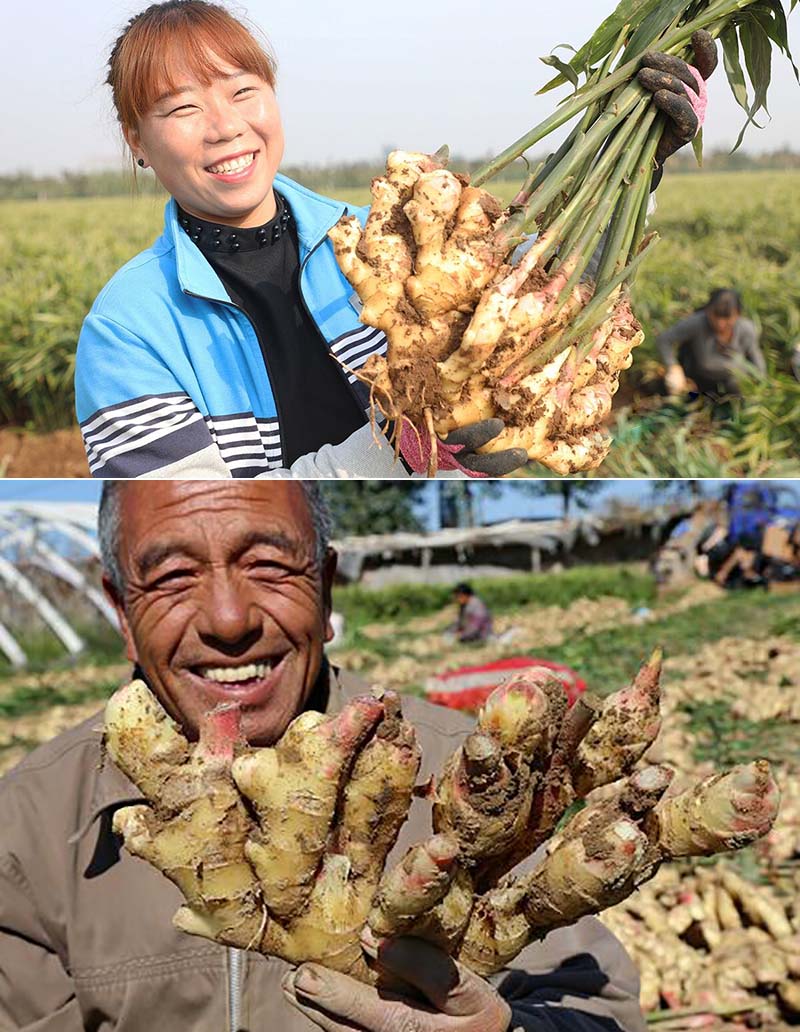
(723, 325)
(216, 148)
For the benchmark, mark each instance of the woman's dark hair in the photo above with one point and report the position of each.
(463, 589)
(724, 303)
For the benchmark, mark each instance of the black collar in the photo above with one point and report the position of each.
(213, 238)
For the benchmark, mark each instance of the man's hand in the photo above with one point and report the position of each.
(459, 450)
(679, 91)
(421, 990)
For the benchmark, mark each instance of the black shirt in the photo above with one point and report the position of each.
(260, 269)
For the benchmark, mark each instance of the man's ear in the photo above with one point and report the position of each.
(118, 603)
(328, 573)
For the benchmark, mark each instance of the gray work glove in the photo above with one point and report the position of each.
(466, 440)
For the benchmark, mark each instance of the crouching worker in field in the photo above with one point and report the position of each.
(474, 621)
(223, 593)
(230, 347)
(712, 347)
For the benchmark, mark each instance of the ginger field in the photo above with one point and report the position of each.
(716, 943)
(721, 229)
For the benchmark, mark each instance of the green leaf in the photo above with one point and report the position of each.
(653, 26)
(697, 147)
(733, 66)
(770, 15)
(627, 12)
(565, 69)
(758, 60)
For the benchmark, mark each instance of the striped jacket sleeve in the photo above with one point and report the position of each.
(136, 419)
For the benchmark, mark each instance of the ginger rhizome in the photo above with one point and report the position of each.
(465, 329)
(283, 849)
(540, 343)
(302, 895)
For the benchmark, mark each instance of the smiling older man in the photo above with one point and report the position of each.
(223, 593)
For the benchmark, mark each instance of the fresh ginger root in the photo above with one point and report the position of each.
(196, 825)
(463, 326)
(311, 903)
(304, 876)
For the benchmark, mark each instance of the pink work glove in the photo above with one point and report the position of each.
(679, 90)
(458, 451)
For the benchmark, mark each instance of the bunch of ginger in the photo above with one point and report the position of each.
(470, 336)
(713, 948)
(708, 940)
(283, 849)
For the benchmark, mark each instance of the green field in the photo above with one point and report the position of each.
(722, 229)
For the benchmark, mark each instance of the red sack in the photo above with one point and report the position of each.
(468, 687)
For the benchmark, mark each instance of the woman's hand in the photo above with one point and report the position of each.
(421, 990)
(679, 91)
(675, 380)
(459, 450)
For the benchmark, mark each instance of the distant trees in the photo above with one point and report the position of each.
(384, 506)
(374, 506)
(575, 494)
(346, 176)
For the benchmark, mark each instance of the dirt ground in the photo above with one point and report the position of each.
(533, 628)
(57, 454)
(24, 453)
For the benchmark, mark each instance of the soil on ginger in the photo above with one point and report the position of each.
(56, 454)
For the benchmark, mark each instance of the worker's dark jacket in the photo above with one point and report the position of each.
(86, 940)
(474, 620)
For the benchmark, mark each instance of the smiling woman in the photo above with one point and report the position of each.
(230, 347)
(179, 83)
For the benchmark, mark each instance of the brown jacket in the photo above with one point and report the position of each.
(86, 940)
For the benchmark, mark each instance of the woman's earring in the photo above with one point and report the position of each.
(140, 162)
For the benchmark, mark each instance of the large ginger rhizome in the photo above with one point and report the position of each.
(282, 849)
(471, 337)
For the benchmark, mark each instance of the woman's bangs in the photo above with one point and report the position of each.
(195, 51)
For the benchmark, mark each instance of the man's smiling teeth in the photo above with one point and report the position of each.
(233, 166)
(230, 675)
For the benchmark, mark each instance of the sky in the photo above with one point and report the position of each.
(354, 80)
(510, 502)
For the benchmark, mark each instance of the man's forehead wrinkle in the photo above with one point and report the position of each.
(222, 496)
(195, 516)
(227, 548)
(273, 538)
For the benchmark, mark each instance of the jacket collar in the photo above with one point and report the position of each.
(313, 214)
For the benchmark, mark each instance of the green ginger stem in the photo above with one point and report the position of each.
(712, 19)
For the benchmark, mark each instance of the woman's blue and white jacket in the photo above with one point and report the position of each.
(170, 378)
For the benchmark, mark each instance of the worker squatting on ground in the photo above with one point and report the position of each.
(474, 621)
(209, 579)
(712, 347)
